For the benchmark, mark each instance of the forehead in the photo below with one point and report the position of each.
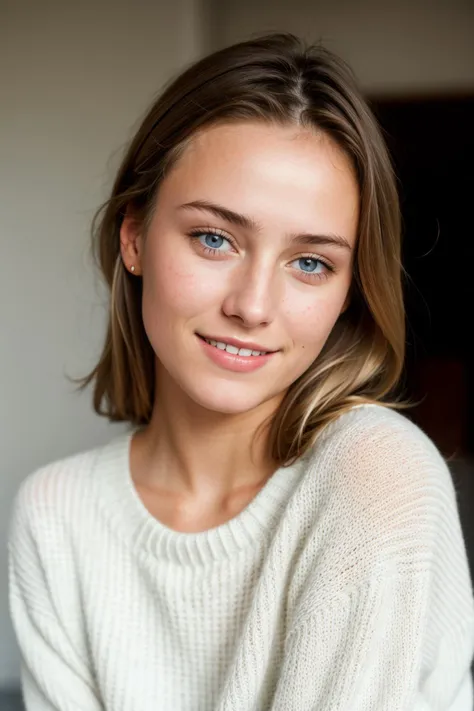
(268, 171)
(260, 147)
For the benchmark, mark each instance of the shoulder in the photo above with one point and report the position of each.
(376, 424)
(54, 493)
(375, 447)
(51, 486)
(388, 488)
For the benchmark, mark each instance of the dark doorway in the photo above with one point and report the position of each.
(432, 144)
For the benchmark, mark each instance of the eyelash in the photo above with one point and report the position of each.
(194, 234)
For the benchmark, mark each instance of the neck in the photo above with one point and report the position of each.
(196, 453)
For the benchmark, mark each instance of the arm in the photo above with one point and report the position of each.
(55, 672)
(370, 650)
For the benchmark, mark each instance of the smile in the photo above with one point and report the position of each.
(233, 349)
(232, 357)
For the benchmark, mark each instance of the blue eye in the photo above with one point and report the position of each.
(308, 264)
(212, 241)
(309, 267)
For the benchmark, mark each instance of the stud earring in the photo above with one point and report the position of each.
(132, 268)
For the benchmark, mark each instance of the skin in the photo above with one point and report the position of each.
(196, 454)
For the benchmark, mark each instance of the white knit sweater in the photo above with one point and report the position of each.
(343, 586)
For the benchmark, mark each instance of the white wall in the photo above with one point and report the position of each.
(75, 77)
(394, 46)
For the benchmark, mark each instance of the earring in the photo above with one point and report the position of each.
(132, 268)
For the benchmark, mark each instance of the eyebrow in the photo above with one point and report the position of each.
(248, 223)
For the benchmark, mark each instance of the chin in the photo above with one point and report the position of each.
(229, 398)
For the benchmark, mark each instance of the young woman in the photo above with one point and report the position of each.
(272, 532)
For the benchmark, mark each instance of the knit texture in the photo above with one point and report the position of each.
(343, 586)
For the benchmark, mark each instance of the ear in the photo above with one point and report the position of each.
(131, 243)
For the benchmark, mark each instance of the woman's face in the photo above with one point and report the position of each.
(251, 245)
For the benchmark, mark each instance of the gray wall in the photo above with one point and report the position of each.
(395, 46)
(75, 77)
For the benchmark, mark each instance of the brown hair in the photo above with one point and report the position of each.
(272, 78)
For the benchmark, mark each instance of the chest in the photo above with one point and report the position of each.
(176, 638)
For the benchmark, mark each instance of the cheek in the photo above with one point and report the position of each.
(311, 320)
(173, 284)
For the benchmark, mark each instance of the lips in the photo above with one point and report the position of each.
(237, 343)
(230, 357)
(246, 352)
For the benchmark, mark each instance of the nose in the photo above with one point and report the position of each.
(253, 296)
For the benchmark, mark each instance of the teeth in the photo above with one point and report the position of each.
(232, 349)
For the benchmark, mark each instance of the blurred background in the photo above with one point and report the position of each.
(75, 79)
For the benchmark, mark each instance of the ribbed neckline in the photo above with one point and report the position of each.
(252, 527)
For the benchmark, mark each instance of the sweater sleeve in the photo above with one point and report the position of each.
(55, 673)
(368, 650)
